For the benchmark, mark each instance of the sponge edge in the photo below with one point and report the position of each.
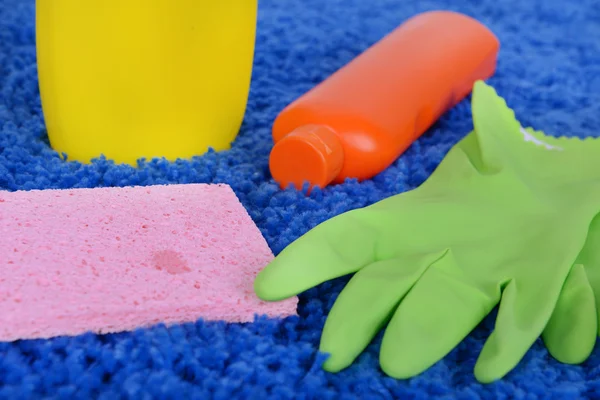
(115, 259)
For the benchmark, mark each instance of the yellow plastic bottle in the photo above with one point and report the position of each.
(135, 78)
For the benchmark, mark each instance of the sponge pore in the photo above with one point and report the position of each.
(114, 259)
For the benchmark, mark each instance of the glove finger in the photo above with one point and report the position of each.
(589, 257)
(337, 247)
(522, 316)
(435, 316)
(570, 335)
(593, 276)
(365, 305)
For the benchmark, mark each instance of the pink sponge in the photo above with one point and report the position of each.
(115, 259)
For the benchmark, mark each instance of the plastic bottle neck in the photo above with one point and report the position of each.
(310, 153)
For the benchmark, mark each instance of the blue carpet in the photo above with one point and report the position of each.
(549, 71)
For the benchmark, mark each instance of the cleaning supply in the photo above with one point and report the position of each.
(502, 221)
(115, 259)
(359, 120)
(130, 79)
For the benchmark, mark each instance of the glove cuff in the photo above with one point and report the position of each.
(505, 145)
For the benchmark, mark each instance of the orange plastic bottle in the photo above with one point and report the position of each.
(358, 121)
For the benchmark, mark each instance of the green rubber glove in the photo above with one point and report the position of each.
(501, 221)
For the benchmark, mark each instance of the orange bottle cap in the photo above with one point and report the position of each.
(311, 153)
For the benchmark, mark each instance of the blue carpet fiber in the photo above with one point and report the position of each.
(549, 71)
